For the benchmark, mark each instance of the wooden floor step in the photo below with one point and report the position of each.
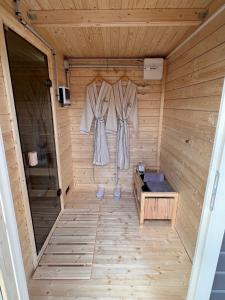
(79, 211)
(62, 272)
(71, 224)
(83, 210)
(79, 217)
(70, 248)
(72, 239)
(74, 231)
(66, 259)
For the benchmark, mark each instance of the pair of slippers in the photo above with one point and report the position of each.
(101, 192)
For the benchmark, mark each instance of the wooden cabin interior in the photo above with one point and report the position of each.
(75, 246)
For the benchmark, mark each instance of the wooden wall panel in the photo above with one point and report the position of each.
(143, 143)
(193, 92)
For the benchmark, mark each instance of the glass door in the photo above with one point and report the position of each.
(31, 89)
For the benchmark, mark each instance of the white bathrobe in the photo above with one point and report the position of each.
(126, 108)
(98, 107)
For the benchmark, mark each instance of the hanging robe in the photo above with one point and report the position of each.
(98, 107)
(126, 109)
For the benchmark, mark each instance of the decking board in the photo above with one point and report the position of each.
(129, 262)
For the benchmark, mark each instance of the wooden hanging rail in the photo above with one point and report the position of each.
(134, 63)
(118, 17)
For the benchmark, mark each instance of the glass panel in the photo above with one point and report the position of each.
(29, 75)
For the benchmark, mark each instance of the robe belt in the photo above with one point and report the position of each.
(100, 120)
(123, 122)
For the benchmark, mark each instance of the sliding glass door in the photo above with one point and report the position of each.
(31, 89)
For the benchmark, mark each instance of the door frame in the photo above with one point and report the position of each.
(10, 21)
(206, 256)
(12, 273)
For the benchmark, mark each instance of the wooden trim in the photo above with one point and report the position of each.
(161, 114)
(12, 23)
(118, 18)
(12, 269)
(53, 102)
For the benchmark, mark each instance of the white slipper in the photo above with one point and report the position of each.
(100, 192)
(117, 192)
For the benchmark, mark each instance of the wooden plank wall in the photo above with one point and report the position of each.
(143, 143)
(193, 91)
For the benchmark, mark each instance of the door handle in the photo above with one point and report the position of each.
(215, 185)
(59, 192)
(48, 83)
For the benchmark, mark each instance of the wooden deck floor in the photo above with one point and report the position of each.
(129, 262)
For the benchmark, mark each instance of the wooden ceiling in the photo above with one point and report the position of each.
(132, 28)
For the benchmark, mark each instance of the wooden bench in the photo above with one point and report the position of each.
(154, 205)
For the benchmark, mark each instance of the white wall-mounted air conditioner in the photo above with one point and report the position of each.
(153, 68)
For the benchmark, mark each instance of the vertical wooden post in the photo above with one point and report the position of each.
(161, 115)
(54, 120)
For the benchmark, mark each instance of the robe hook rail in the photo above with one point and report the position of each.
(106, 66)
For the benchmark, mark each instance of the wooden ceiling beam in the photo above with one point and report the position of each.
(118, 18)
